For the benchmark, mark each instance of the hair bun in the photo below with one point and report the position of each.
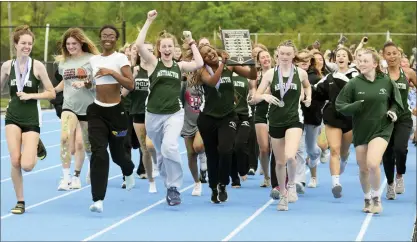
(22, 27)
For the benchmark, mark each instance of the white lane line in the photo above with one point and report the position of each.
(251, 218)
(368, 217)
(57, 197)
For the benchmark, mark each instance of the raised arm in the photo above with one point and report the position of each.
(140, 41)
(197, 61)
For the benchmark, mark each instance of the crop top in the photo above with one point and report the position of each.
(113, 62)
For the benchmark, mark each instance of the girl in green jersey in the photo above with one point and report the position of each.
(285, 116)
(374, 102)
(23, 117)
(164, 113)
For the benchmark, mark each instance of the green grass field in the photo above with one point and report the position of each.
(5, 101)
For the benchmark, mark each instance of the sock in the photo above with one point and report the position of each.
(66, 172)
(21, 202)
(335, 180)
(374, 193)
(203, 161)
(77, 173)
(368, 195)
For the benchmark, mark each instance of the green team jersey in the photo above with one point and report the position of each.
(404, 88)
(164, 89)
(242, 90)
(140, 93)
(219, 103)
(291, 112)
(369, 117)
(25, 113)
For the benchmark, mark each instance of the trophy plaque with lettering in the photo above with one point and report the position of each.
(238, 44)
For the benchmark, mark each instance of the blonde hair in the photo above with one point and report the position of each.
(76, 33)
(375, 57)
(303, 55)
(288, 43)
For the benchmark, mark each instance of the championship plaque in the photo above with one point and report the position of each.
(238, 44)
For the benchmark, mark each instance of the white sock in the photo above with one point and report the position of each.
(66, 172)
(374, 193)
(203, 161)
(368, 195)
(335, 180)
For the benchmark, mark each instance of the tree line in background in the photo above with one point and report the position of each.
(203, 18)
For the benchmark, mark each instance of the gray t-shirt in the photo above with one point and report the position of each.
(192, 103)
(72, 70)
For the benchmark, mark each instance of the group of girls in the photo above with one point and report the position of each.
(228, 115)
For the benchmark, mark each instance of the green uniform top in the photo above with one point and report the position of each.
(242, 90)
(369, 117)
(291, 112)
(165, 89)
(127, 101)
(25, 113)
(219, 103)
(140, 93)
(403, 86)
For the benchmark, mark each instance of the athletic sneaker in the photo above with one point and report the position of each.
(173, 196)
(197, 189)
(337, 191)
(266, 182)
(214, 196)
(275, 194)
(391, 195)
(368, 206)
(325, 156)
(251, 172)
(152, 187)
(75, 182)
(399, 187)
(64, 185)
(376, 206)
(97, 206)
(41, 150)
(222, 197)
(313, 182)
(283, 203)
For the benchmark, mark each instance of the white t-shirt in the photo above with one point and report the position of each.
(113, 62)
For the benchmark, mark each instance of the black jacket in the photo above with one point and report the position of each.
(313, 114)
(328, 89)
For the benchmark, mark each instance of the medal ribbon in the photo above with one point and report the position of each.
(282, 92)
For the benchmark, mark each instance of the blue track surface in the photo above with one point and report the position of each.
(138, 215)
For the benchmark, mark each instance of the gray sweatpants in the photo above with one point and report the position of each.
(300, 172)
(164, 131)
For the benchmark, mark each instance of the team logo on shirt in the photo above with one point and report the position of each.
(168, 74)
(382, 91)
(141, 84)
(27, 84)
(401, 86)
(75, 73)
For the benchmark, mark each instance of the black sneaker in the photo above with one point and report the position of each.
(214, 196)
(222, 197)
(251, 172)
(203, 176)
(236, 183)
(41, 150)
(173, 196)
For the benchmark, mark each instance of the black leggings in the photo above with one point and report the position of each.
(396, 153)
(240, 162)
(106, 126)
(253, 144)
(218, 135)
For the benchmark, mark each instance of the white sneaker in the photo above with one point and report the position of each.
(152, 187)
(391, 195)
(130, 181)
(155, 172)
(325, 156)
(300, 188)
(64, 185)
(97, 206)
(292, 193)
(197, 189)
(76, 182)
(313, 182)
(283, 203)
(399, 187)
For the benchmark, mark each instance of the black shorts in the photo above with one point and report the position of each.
(138, 118)
(80, 117)
(24, 128)
(279, 132)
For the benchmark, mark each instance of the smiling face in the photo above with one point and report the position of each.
(108, 39)
(319, 61)
(342, 59)
(367, 63)
(209, 55)
(177, 53)
(24, 45)
(73, 46)
(264, 59)
(166, 48)
(392, 55)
